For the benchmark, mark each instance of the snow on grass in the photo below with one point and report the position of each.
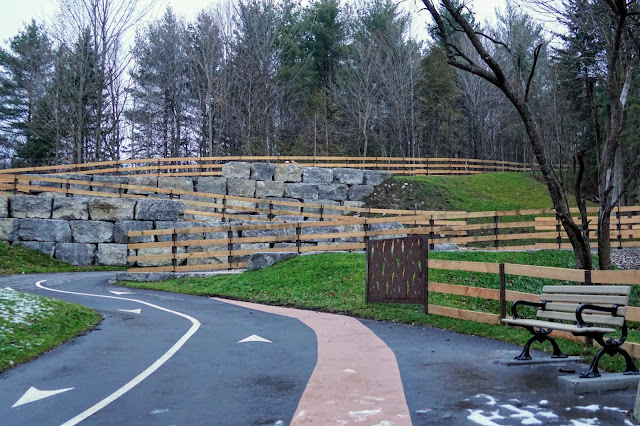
(20, 308)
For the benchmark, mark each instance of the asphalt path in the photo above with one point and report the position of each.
(181, 360)
(131, 371)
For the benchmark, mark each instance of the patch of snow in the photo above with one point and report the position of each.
(361, 416)
(21, 308)
(491, 400)
(478, 417)
(543, 402)
(585, 422)
(593, 408)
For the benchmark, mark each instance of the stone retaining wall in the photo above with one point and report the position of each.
(93, 230)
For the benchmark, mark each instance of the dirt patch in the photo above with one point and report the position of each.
(408, 195)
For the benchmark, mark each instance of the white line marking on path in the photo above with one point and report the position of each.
(254, 338)
(131, 311)
(195, 324)
(119, 293)
(34, 394)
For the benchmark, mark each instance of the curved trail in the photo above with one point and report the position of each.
(356, 378)
(195, 324)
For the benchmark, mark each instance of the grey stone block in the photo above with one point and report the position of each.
(122, 227)
(348, 176)
(149, 209)
(35, 182)
(212, 185)
(375, 178)
(80, 179)
(307, 191)
(317, 175)
(180, 225)
(9, 229)
(148, 181)
(241, 187)
(262, 260)
(175, 182)
(44, 247)
(209, 260)
(266, 189)
(117, 180)
(263, 171)
(158, 251)
(111, 255)
(350, 228)
(359, 192)
(281, 207)
(445, 247)
(91, 231)
(357, 204)
(76, 208)
(236, 170)
(4, 206)
(387, 226)
(288, 218)
(144, 276)
(288, 173)
(325, 203)
(606, 382)
(76, 254)
(28, 206)
(52, 230)
(336, 192)
(111, 209)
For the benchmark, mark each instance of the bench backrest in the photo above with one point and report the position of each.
(562, 302)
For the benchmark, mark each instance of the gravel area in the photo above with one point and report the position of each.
(626, 258)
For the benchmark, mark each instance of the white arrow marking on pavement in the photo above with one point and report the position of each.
(34, 394)
(131, 311)
(120, 293)
(255, 338)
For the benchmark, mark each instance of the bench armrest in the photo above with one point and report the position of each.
(515, 304)
(611, 309)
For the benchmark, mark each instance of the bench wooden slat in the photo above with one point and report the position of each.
(582, 298)
(588, 318)
(557, 326)
(621, 290)
(571, 307)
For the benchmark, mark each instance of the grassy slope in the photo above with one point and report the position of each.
(18, 260)
(483, 192)
(334, 282)
(31, 325)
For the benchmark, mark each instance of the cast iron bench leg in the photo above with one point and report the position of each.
(611, 347)
(540, 335)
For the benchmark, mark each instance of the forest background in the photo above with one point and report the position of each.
(267, 77)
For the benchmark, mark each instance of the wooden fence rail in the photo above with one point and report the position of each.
(211, 166)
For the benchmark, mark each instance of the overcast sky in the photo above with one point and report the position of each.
(14, 13)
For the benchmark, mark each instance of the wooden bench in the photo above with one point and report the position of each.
(584, 310)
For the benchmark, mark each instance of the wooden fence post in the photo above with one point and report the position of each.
(230, 246)
(558, 230)
(425, 288)
(503, 292)
(367, 250)
(496, 242)
(298, 232)
(15, 184)
(431, 233)
(174, 250)
(619, 227)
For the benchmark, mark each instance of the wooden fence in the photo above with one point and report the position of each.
(502, 295)
(211, 166)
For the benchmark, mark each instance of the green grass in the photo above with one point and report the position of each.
(20, 260)
(482, 192)
(334, 282)
(31, 325)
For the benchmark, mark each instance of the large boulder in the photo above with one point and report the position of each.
(212, 185)
(144, 181)
(52, 230)
(387, 226)
(4, 206)
(336, 192)
(348, 176)
(35, 182)
(111, 255)
(266, 189)
(76, 208)
(44, 247)
(115, 180)
(91, 231)
(122, 227)
(241, 187)
(288, 173)
(180, 225)
(317, 175)
(9, 229)
(263, 171)
(111, 209)
(82, 182)
(209, 259)
(236, 170)
(307, 191)
(175, 182)
(359, 192)
(375, 178)
(262, 260)
(150, 209)
(28, 206)
(154, 251)
(76, 254)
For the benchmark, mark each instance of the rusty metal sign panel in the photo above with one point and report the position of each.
(397, 270)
